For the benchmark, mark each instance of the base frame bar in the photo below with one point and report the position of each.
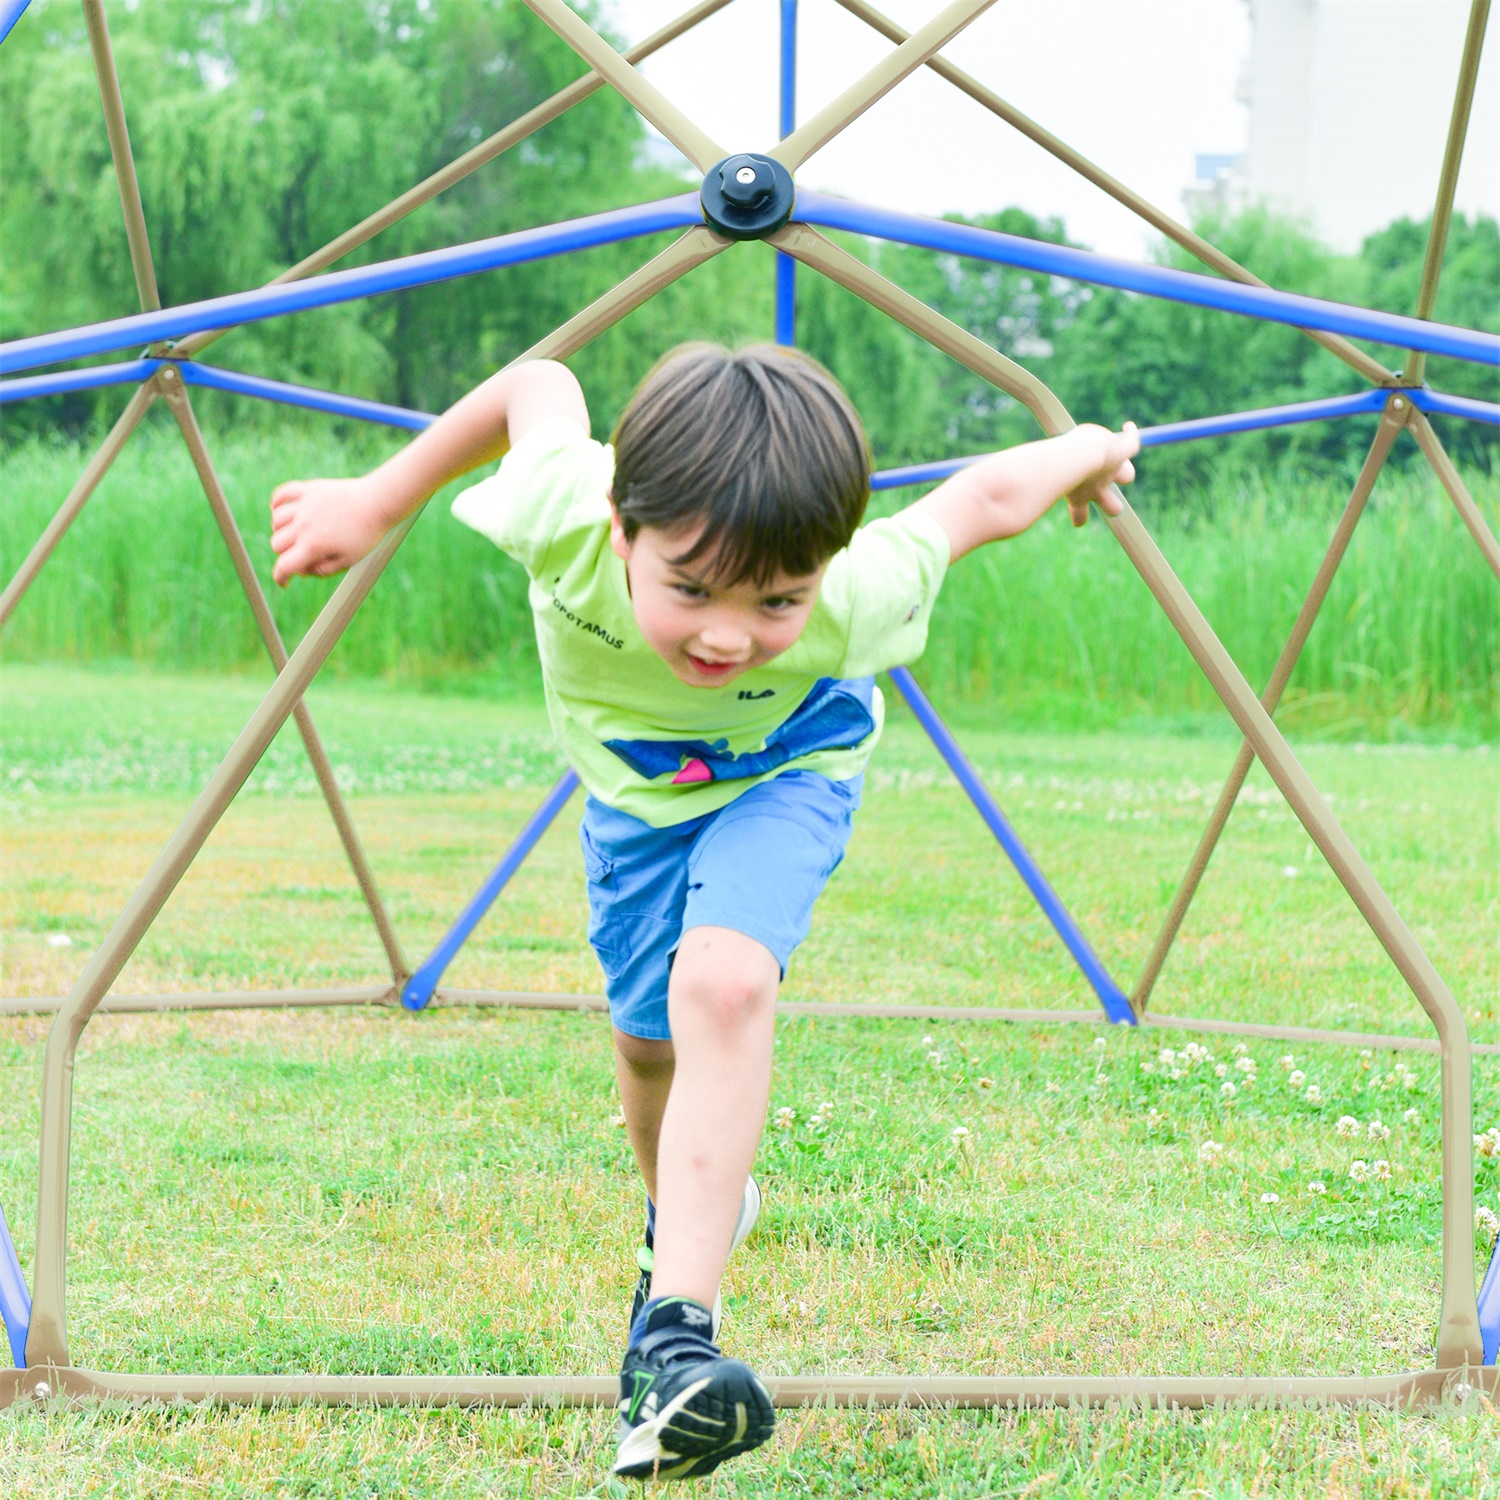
(1409, 1390)
(447, 998)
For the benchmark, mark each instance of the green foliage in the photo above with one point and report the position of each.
(263, 132)
(1055, 626)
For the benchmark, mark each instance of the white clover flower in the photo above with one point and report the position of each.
(1412, 1116)
(926, 1041)
(786, 1117)
(1210, 1152)
(59, 940)
(1410, 1082)
(958, 1133)
(1314, 1094)
(1155, 1119)
(618, 1119)
(935, 1058)
(1290, 871)
(1148, 1067)
(1380, 1169)
(1100, 1044)
(1296, 1078)
(1175, 1073)
(1221, 1070)
(1318, 1188)
(1240, 1049)
(1270, 1197)
(986, 1083)
(1288, 1062)
(1227, 1089)
(1246, 1065)
(1488, 1144)
(1359, 1170)
(1347, 1125)
(1486, 1223)
(1378, 1130)
(1166, 1056)
(1364, 1057)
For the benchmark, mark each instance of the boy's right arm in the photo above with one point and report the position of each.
(322, 526)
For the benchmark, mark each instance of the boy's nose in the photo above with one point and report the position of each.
(725, 640)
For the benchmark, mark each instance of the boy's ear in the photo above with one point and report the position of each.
(617, 538)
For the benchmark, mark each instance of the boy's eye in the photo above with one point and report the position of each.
(778, 604)
(690, 591)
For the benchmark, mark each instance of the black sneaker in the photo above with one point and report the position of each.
(684, 1408)
(645, 1256)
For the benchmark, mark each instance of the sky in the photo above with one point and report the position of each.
(1139, 88)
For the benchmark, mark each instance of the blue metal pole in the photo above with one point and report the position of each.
(213, 377)
(15, 1300)
(1266, 416)
(1455, 406)
(1111, 996)
(1489, 1308)
(10, 13)
(1154, 281)
(786, 265)
(1183, 432)
(418, 989)
(61, 381)
(346, 286)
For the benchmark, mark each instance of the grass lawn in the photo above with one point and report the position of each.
(372, 1192)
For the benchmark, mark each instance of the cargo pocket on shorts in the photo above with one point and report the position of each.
(608, 934)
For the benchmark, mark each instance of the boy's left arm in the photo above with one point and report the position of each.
(1006, 492)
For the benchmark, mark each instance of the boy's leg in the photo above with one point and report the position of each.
(643, 1070)
(722, 1004)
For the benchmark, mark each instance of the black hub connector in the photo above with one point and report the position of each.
(747, 197)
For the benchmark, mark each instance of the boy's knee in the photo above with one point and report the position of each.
(728, 980)
(646, 1057)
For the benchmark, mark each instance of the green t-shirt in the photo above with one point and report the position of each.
(642, 740)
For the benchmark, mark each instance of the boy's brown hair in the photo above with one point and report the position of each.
(760, 444)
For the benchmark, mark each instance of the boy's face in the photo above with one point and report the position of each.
(707, 631)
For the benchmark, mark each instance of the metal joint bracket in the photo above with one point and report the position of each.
(747, 196)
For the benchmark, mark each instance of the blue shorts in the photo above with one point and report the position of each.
(755, 866)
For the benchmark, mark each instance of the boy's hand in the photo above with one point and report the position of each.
(323, 526)
(1116, 468)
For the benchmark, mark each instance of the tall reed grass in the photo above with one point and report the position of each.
(1054, 627)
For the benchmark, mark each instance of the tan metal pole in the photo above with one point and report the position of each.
(1458, 492)
(1397, 409)
(695, 144)
(119, 150)
(387, 996)
(1453, 154)
(177, 398)
(456, 170)
(1458, 1337)
(815, 133)
(77, 498)
(1401, 1392)
(1195, 245)
(47, 1341)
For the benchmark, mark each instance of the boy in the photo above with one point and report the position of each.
(709, 623)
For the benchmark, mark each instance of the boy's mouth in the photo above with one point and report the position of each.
(711, 668)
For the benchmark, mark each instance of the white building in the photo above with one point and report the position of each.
(1349, 104)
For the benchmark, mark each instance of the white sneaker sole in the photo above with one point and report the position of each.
(749, 1213)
